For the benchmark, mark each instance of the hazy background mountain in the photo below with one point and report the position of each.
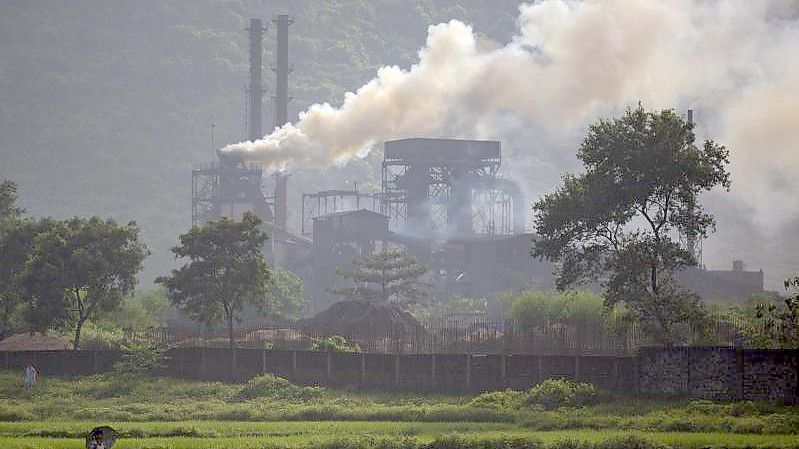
(105, 106)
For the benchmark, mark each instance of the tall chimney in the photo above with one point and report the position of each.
(256, 92)
(281, 101)
(690, 238)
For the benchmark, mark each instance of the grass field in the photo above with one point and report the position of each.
(269, 413)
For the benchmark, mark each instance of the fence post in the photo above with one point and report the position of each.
(263, 361)
(95, 364)
(294, 364)
(7, 362)
(614, 374)
(468, 372)
(577, 367)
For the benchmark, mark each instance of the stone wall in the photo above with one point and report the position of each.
(721, 373)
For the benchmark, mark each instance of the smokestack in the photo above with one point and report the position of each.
(255, 122)
(690, 239)
(281, 101)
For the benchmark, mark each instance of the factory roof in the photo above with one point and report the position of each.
(440, 150)
(352, 213)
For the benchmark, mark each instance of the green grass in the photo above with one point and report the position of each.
(385, 434)
(266, 413)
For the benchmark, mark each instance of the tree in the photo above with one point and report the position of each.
(8, 199)
(619, 222)
(80, 268)
(226, 270)
(390, 276)
(284, 294)
(17, 238)
(782, 320)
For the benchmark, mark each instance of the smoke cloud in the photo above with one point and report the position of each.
(571, 62)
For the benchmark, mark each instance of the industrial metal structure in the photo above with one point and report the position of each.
(433, 187)
(443, 200)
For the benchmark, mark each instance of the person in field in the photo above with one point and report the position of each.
(30, 376)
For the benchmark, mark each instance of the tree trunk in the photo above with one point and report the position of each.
(76, 343)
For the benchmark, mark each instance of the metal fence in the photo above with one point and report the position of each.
(473, 334)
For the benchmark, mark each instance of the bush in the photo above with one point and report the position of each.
(139, 360)
(335, 343)
(269, 386)
(505, 400)
(504, 442)
(554, 393)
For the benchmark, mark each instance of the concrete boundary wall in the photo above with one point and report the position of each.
(702, 372)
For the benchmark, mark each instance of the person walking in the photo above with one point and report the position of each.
(31, 375)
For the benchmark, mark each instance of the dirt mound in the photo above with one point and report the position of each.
(34, 342)
(362, 320)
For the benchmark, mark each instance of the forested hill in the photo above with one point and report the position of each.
(105, 106)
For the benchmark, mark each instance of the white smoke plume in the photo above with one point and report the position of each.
(570, 62)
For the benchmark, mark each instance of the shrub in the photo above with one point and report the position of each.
(139, 360)
(627, 442)
(504, 442)
(505, 400)
(335, 343)
(554, 393)
(269, 386)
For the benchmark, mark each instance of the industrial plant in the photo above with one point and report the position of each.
(442, 200)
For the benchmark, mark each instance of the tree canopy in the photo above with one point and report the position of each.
(225, 271)
(620, 221)
(8, 200)
(79, 268)
(390, 276)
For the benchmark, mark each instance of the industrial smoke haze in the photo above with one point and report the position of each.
(571, 62)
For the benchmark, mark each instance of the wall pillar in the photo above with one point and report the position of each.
(396, 370)
(739, 384)
(328, 366)
(614, 374)
(263, 361)
(577, 369)
(503, 374)
(433, 371)
(468, 372)
(294, 364)
(540, 360)
(233, 364)
(95, 363)
(203, 367)
(363, 369)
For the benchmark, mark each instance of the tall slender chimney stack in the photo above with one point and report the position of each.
(281, 101)
(256, 92)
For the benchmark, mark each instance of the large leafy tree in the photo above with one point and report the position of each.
(17, 239)
(225, 271)
(14, 247)
(620, 221)
(390, 276)
(78, 269)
